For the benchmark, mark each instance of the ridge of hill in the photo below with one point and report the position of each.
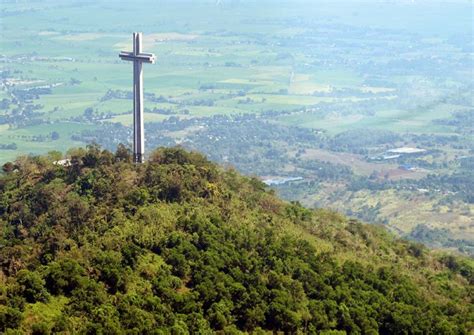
(179, 245)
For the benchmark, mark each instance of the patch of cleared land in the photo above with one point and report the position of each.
(405, 209)
(356, 162)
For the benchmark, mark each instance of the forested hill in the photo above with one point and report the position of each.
(178, 245)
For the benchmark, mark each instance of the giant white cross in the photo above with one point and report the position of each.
(138, 57)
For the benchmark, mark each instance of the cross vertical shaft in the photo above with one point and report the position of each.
(138, 124)
(138, 57)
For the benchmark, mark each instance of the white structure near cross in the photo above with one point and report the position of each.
(138, 57)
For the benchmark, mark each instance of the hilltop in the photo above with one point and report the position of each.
(180, 245)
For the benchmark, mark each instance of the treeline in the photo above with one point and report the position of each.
(249, 143)
(359, 140)
(10, 146)
(463, 122)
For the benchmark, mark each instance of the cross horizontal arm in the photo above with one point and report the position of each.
(142, 57)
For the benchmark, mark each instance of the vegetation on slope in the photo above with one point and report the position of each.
(178, 245)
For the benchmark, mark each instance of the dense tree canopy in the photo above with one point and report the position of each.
(178, 245)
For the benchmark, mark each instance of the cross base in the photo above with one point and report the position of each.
(138, 158)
